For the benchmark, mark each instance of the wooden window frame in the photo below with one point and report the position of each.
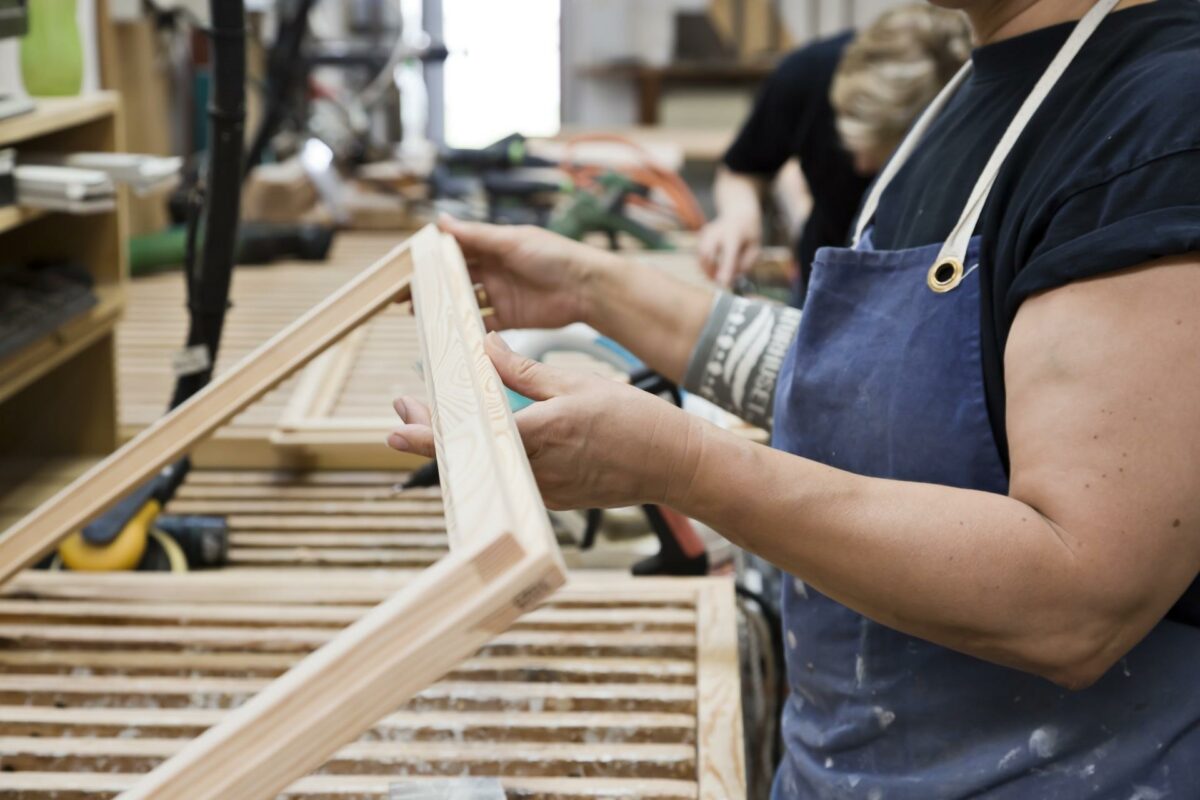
(503, 560)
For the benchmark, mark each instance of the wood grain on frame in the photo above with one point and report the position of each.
(504, 561)
(719, 741)
(174, 434)
(487, 489)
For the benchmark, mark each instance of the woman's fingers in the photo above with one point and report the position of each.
(412, 411)
(707, 250)
(476, 238)
(748, 259)
(728, 262)
(415, 435)
(416, 439)
(524, 375)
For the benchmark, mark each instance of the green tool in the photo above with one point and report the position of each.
(603, 212)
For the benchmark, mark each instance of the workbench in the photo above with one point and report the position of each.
(616, 687)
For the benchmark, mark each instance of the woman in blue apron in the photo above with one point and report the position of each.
(956, 627)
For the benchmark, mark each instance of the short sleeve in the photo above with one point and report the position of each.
(1147, 211)
(768, 137)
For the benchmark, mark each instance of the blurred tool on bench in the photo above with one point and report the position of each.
(566, 193)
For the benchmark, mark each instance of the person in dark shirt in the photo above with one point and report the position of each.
(983, 473)
(881, 79)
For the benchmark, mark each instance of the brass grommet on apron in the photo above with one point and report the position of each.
(944, 275)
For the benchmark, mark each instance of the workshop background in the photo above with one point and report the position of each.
(602, 119)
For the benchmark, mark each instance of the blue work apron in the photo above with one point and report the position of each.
(885, 380)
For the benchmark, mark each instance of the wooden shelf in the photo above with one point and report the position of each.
(54, 114)
(652, 81)
(25, 483)
(73, 336)
(16, 216)
(58, 392)
(695, 71)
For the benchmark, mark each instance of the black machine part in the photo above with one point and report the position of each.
(283, 78)
(209, 276)
(204, 540)
(208, 279)
(264, 242)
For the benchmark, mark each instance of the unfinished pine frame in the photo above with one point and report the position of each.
(504, 559)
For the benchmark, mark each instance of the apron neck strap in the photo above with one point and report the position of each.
(954, 249)
(911, 140)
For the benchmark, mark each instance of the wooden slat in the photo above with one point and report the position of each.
(719, 722)
(334, 556)
(324, 586)
(249, 478)
(391, 508)
(34, 689)
(298, 639)
(330, 522)
(66, 786)
(271, 539)
(278, 616)
(610, 727)
(429, 758)
(125, 662)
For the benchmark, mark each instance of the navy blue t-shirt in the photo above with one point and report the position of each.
(1106, 175)
(792, 117)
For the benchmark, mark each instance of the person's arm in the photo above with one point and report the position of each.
(739, 354)
(655, 315)
(1096, 540)
(1100, 532)
(537, 279)
(725, 349)
(730, 244)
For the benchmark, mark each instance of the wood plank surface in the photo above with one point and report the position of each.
(584, 710)
(90, 786)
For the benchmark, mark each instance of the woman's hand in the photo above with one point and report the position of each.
(729, 246)
(592, 442)
(533, 278)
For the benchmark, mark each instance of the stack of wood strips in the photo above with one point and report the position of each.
(614, 688)
(336, 519)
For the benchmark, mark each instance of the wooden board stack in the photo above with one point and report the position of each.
(614, 688)
(326, 518)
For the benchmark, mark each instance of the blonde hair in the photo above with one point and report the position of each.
(893, 69)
